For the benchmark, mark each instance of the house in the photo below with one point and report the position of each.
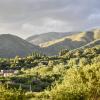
(6, 73)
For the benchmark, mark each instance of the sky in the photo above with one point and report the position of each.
(30, 17)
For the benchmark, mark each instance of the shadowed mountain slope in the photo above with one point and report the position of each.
(92, 44)
(10, 46)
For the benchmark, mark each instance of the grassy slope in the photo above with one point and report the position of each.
(71, 42)
(50, 36)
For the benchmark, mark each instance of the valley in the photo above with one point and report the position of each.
(61, 69)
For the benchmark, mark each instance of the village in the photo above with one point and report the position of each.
(7, 73)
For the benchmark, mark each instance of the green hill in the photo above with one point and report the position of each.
(70, 76)
(11, 46)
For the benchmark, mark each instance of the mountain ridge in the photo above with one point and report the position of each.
(45, 37)
(11, 46)
(72, 41)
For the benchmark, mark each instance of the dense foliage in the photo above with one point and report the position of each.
(73, 75)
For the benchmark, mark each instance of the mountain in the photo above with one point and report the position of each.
(50, 36)
(92, 44)
(70, 42)
(89, 45)
(11, 45)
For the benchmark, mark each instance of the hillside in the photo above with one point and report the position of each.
(69, 76)
(71, 42)
(92, 44)
(45, 37)
(10, 46)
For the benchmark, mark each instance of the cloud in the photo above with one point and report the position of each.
(47, 26)
(29, 17)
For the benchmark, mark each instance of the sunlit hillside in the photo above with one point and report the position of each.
(70, 42)
(83, 36)
(73, 75)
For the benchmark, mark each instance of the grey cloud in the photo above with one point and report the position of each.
(28, 17)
